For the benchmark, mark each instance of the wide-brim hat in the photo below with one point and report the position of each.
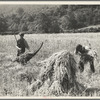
(21, 33)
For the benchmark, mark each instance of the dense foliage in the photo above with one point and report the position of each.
(55, 19)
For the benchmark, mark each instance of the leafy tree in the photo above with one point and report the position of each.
(23, 27)
(55, 27)
(64, 23)
(68, 21)
(15, 21)
(42, 23)
(27, 17)
(3, 24)
(81, 19)
(61, 11)
(72, 23)
(20, 11)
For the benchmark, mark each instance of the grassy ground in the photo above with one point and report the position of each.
(10, 84)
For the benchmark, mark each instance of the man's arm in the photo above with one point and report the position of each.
(18, 48)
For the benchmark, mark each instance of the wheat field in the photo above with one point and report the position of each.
(11, 84)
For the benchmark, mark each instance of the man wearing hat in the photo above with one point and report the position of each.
(21, 44)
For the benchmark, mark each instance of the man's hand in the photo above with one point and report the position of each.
(18, 48)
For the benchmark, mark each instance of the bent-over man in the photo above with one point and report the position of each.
(86, 55)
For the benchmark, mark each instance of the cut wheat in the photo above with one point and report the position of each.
(59, 72)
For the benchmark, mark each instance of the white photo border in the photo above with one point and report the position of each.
(50, 3)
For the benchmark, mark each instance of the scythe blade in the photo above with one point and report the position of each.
(24, 58)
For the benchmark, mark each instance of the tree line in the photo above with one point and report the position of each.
(62, 19)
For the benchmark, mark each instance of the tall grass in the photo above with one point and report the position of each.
(9, 75)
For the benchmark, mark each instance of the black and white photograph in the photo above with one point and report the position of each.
(49, 49)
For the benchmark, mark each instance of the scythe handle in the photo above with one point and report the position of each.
(15, 38)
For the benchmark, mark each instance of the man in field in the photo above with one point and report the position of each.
(86, 55)
(21, 44)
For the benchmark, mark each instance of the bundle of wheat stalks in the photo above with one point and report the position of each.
(57, 76)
